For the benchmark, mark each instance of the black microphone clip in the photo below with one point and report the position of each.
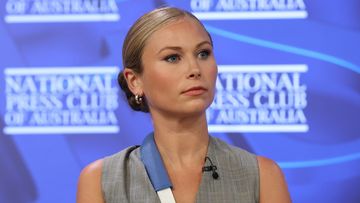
(212, 168)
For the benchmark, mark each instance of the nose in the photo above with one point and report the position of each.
(194, 70)
(194, 75)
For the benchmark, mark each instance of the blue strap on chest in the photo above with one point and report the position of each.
(154, 165)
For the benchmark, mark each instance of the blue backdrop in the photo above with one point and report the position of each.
(288, 88)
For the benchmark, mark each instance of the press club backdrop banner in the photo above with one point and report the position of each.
(288, 89)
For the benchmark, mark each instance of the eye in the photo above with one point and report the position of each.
(172, 58)
(204, 54)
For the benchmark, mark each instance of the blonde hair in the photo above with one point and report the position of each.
(135, 42)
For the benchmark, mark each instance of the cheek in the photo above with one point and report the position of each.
(211, 67)
(158, 81)
(213, 71)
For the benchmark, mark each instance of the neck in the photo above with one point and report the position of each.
(181, 141)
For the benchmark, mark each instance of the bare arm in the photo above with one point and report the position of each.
(89, 185)
(273, 188)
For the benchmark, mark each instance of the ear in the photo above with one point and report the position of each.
(134, 81)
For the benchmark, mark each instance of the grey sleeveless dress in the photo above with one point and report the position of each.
(124, 178)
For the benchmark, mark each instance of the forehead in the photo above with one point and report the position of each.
(185, 31)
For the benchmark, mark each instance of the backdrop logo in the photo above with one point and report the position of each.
(248, 9)
(40, 11)
(61, 100)
(259, 98)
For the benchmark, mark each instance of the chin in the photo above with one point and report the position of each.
(195, 108)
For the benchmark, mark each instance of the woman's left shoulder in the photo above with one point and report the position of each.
(273, 187)
(267, 166)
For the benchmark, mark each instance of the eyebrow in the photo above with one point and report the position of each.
(179, 48)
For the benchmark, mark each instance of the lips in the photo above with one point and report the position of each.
(193, 91)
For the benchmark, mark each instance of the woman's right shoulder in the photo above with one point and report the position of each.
(89, 183)
(91, 176)
(92, 169)
(121, 157)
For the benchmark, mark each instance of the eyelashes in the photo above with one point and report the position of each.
(174, 58)
(204, 54)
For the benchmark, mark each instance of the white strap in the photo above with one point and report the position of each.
(166, 196)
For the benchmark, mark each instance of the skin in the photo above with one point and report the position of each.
(176, 58)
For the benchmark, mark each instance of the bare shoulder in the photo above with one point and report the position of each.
(273, 187)
(89, 184)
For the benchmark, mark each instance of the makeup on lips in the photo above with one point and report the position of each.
(195, 91)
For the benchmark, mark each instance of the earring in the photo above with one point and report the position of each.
(138, 99)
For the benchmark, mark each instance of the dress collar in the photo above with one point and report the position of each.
(154, 165)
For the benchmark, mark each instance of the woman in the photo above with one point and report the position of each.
(170, 71)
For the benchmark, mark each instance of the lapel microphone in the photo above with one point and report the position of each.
(212, 168)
